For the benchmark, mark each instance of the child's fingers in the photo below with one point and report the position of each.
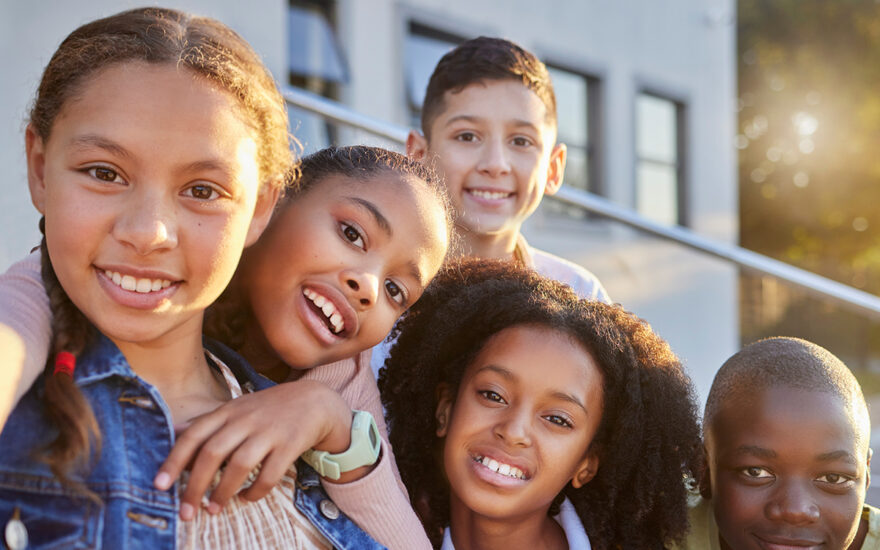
(245, 463)
(206, 466)
(185, 447)
(273, 469)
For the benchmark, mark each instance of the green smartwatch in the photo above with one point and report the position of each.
(363, 451)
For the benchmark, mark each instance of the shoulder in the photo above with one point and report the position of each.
(580, 279)
(237, 364)
(872, 539)
(703, 534)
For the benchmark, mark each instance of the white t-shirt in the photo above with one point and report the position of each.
(567, 518)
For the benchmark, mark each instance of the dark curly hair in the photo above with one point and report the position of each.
(648, 440)
(228, 318)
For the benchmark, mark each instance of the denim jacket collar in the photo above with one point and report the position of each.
(104, 359)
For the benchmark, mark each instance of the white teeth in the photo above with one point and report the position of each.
(328, 308)
(493, 195)
(497, 467)
(130, 283)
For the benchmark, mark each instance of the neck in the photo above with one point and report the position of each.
(176, 366)
(472, 531)
(497, 246)
(260, 355)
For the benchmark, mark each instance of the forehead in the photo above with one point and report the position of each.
(505, 101)
(789, 421)
(541, 360)
(415, 214)
(157, 108)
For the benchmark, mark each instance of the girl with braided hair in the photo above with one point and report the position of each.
(157, 147)
(523, 417)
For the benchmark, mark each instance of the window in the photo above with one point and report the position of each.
(577, 115)
(423, 49)
(315, 64)
(659, 153)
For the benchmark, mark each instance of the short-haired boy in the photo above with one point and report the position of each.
(786, 436)
(489, 127)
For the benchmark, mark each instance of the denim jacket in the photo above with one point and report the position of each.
(137, 436)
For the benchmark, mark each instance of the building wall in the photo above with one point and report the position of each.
(684, 50)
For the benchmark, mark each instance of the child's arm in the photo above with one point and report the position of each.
(378, 502)
(25, 331)
(271, 428)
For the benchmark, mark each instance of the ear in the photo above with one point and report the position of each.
(266, 200)
(556, 169)
(868, 469)
(586, 470)
(416, 146)
(444, 409)
(35, 152)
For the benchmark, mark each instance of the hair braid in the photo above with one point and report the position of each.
(65, 405)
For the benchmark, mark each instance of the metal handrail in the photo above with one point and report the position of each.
(817, 285)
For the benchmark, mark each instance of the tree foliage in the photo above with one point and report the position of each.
(809, 135)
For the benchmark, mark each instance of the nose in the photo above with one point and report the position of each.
(494, 161)
(514, 427)
(362, 287)
(147, 223)
(793, 503)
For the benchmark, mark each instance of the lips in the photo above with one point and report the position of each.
(501, 468)
(328, 312)
(786, 542)
(139, 289)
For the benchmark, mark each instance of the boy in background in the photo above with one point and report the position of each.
(786, 438)
(489, 127)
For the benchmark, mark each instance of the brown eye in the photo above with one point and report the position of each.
(352, 235)
(103, 173)
(202, 192)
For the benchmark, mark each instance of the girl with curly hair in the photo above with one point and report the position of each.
(524, 417)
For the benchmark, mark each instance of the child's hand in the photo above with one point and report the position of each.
(271, 428)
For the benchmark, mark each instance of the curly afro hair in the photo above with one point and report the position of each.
(648, 441)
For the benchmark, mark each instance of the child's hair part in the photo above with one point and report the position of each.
(485, 59)
(210, 50)
(227, 318)
(647, 438)
(785, 362)
(203, 45)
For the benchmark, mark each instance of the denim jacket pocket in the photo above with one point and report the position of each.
(53, 521)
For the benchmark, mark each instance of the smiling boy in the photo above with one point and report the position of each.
(786, 438)
(489, 127)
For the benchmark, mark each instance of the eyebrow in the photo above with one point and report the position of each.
(518, 122)
(837, 455)
(93, 140)
(385, 226)
(760, 452)
(501, 371)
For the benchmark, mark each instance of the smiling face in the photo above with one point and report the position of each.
(494, 145)
(788, 469)
(149, 184)
(520, 426)
(340, 263)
